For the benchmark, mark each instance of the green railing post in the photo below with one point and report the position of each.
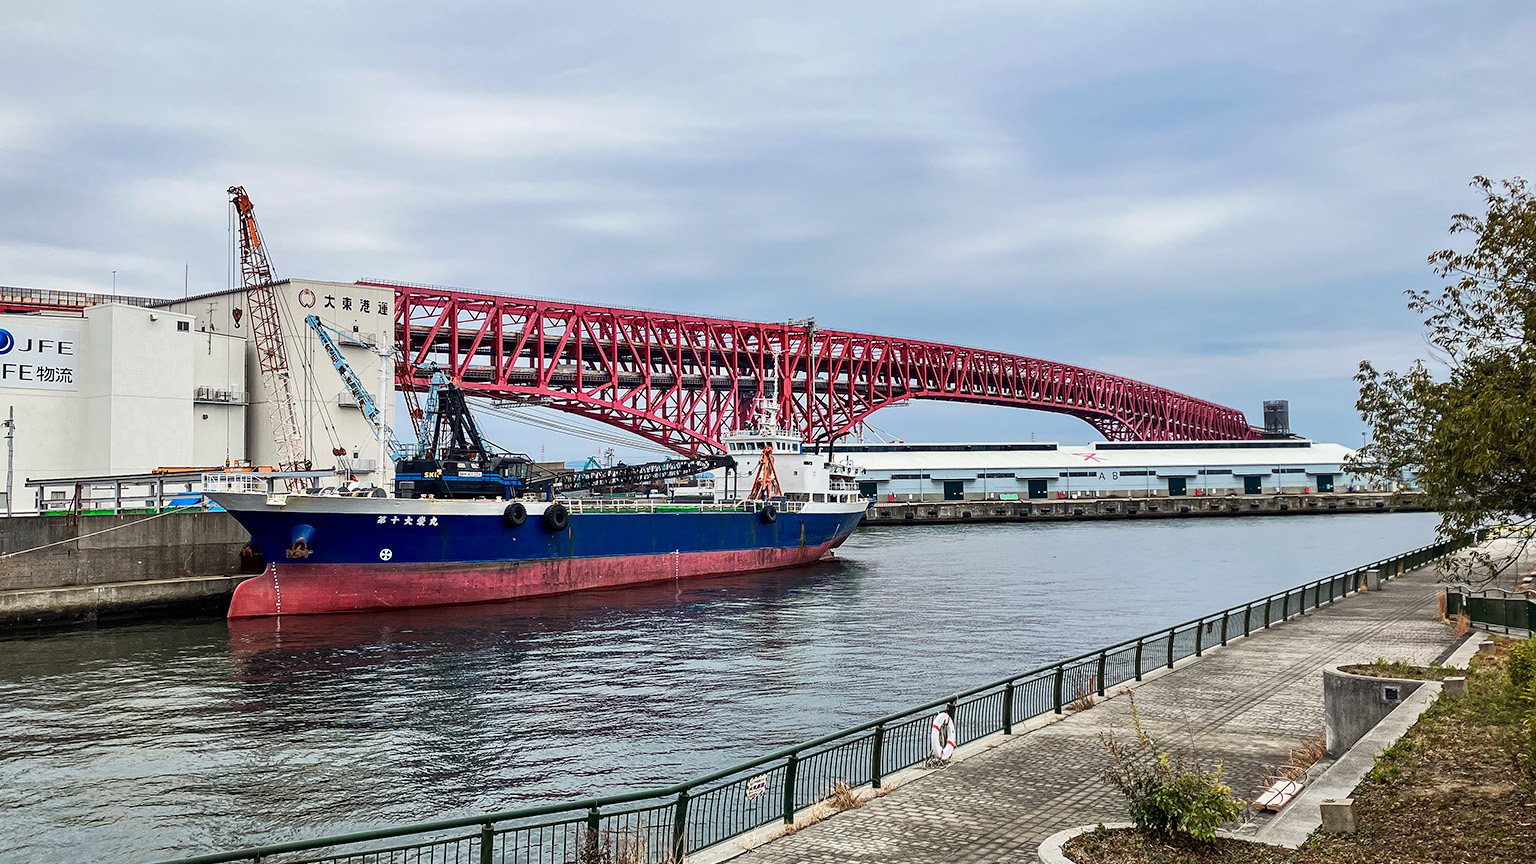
(591, 851)
(1491, 613)
(680, 827)
(790, 765)
(877, 756)
(953, 710)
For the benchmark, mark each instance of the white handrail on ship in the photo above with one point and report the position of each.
(234, 482)
(619, 505)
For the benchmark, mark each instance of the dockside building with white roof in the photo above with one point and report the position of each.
(1140, 469)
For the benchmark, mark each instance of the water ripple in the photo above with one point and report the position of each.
(136, 742)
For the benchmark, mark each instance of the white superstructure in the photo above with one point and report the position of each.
(803, 476)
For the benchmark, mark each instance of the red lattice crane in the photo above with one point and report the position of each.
(267, 334)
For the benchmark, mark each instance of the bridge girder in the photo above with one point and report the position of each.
(683, 381)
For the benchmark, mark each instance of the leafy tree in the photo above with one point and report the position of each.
(1467, 428)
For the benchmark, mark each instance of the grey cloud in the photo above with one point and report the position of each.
(1165, 186)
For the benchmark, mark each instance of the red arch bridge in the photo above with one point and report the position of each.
(683, 380)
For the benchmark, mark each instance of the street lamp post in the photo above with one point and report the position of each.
(10, 455)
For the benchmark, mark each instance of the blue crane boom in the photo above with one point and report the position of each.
(365, 402)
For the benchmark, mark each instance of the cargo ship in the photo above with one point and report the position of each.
(353, 550)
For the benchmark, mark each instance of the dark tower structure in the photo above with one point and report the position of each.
(1277, 418)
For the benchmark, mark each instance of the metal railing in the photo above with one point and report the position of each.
(219, 396)
(154, 492)
(76, 299)
(662, 505)
(667, 824)
(1493, 608)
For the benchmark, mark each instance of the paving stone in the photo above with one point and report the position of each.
(1247, 705)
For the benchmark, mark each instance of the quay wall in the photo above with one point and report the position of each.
(1065, 509)
(178, 562)
(138, 547)
(118, 565)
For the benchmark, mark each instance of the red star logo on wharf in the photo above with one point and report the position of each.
(1090, 457)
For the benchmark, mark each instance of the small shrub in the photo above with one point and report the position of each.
(1463, 623)
(1305, 757)
(614, 846)
(842, 797)
(1530, 742)
(1165, 795)
(1084, 699)
(1522, 664)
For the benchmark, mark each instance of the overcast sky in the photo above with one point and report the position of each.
(1227, 199)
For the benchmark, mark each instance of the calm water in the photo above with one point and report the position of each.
(137, 742)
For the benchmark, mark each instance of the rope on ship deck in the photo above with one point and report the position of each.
(167, 512)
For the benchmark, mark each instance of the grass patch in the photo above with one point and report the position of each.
(1457, 787)
(1383, 668)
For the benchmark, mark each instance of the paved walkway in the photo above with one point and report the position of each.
(1248, 704)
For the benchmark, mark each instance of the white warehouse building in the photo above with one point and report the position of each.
(1103, 469)
(102, 385)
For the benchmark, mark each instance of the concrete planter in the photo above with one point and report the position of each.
(1354, 704)
(1050, 850)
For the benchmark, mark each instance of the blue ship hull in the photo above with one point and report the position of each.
(329, 554)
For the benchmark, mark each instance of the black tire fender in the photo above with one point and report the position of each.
(769, 514)
(556, 518)
(515, 515)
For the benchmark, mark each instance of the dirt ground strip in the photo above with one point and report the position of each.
(1453, 789)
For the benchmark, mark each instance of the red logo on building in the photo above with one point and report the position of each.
(307, 298)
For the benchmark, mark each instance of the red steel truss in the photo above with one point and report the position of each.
(682, 380)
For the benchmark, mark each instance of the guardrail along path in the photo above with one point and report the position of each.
(1247, 704)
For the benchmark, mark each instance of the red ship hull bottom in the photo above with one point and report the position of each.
(312, 589)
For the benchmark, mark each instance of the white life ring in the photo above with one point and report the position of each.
(942, 736)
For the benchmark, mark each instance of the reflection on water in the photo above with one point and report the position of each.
(144, 741)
